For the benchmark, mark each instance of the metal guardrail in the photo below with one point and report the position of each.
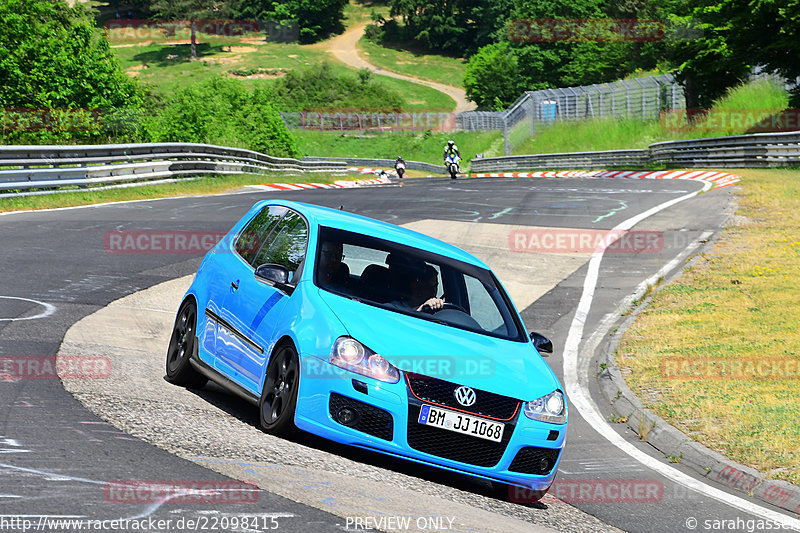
(385, 163)
(758, 150)
(46, 167)
(576, 160)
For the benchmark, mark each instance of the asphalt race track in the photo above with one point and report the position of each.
(59, 461)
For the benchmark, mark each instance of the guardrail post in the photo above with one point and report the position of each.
(644, 98)
(506, 146)
(613, 103)
(658, 98)
(627, 97)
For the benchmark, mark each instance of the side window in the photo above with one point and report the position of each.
(252, 238)
(483, 308)
(286, 245)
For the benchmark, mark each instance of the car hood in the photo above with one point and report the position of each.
(416, 345)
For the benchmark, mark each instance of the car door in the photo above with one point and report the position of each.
(230, 266)
(253, 303)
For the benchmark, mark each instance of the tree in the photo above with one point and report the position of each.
(454, 26)
(492, 76)
(526, 60)
(222, 111)
(53, 56)
(316, 19)
(764, 32)
(192, 11)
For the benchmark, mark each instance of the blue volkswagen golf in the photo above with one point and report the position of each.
(375, 336)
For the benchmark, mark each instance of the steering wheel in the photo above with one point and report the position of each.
(447, 306)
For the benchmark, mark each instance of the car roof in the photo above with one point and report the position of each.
(334, 218)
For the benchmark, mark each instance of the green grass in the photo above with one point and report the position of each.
(426, 148)
(742, 107)
(150, 64)
(419, 98)
(763, 94)
(357, 12)
(201, 186)
(738, 302)
(592, 135)
(413, 62)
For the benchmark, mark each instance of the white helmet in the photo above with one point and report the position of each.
(451, 143)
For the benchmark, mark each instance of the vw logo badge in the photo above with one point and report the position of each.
(465, 396)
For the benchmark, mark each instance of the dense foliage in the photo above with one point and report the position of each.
(315, 19)
(56, 72)
(222, 111)
(454, 26)
(319, 87)
(190, 11)
(60, 83)
(711, 45)
(736, 37)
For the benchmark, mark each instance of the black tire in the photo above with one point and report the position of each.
(181, 345)
(279, 395)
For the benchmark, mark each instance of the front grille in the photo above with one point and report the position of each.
(440, 392)
(455, 446)
(371, 419)
(531, 460)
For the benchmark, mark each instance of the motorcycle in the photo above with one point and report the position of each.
(400, 167)
(451, 164)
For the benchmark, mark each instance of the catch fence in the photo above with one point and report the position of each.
(633, 99)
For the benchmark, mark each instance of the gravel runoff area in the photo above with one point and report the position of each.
(219, 431)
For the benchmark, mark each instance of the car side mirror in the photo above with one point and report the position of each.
(276, 274)
(541, 343)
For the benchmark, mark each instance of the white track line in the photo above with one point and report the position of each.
(578, 395)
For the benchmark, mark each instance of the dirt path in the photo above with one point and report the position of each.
(344, 48)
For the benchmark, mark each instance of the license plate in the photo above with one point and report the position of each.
(461, 423)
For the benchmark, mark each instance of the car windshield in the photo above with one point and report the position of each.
(402, 279)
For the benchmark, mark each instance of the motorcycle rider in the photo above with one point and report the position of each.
(400, 168)
(451, 148)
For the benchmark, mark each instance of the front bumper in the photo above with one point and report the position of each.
(386, 421)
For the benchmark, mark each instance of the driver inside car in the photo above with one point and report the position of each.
(332, 271)
(420, 284)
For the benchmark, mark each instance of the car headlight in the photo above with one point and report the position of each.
(549, 408)
(351, 355)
